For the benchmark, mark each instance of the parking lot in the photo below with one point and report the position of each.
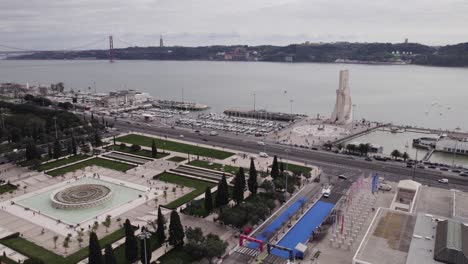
(248, 126)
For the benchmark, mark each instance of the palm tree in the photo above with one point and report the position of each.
(351, 148)
(339, 146)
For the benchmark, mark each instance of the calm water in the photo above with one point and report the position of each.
(413, 95)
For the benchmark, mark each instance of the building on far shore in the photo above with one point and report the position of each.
(452, 145)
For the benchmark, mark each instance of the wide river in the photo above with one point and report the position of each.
(431, 97)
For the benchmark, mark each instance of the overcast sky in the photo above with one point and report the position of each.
(64, 24)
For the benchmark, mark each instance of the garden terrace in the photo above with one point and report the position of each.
(198, 185)
(126, 158)
(8, 187)
(31, 250)
(176, 159)
(142, 152)
(216, 166)
(119, 166)
(61, 162)
(174, 146)
(207, 174)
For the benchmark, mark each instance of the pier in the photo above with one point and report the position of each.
(263, 114)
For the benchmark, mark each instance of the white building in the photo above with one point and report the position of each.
(452, 146)
(343, 111)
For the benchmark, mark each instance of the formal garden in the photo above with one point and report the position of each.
(110, 164)
(168, 145)
(198, 185)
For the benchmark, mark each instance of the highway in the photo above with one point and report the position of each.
(331, 163)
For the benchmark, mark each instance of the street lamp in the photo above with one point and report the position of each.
(454, 153)
(254, 101)
(143, 236)
(55, 124)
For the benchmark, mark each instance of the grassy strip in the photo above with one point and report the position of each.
(32, 250)
(178, 255)
(144, 153)
(7, 260)
(175, 146)
(7, 188)
(119, 252)
(96, 161)
(216, 166)
(61, 162)
(176, 159)
(198, 185)
(295, 168)
(83, 253)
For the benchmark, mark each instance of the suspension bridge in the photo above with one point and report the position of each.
(107, 42)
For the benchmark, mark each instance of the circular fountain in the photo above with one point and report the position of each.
(80, 196)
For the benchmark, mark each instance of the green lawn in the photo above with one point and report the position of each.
(177, 254)
(96, 161)
(199, 186)
(119, 252)
(7, 187)
(176, 159)
(144, 153)
(7, 260)
(175, 146)
(294, 167)
(216, 166)
(61, 162)
(30, 249)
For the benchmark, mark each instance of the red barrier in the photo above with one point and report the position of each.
(250, 239)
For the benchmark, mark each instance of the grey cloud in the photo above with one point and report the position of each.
(57, 24)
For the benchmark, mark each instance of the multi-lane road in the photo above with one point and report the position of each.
(330, 163)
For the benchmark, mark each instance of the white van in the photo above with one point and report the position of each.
(261, 143)
(326, 191)
(443, 180)
(263, 155)
(213, 133)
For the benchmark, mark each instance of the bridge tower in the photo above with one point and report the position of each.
(111, 49)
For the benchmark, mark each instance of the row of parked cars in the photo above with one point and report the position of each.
(435, 166)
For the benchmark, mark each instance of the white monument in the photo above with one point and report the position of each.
(343, 112)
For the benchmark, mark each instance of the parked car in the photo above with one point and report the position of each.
(263, 155)
(261, 143)
(385, 187)
(342, 176)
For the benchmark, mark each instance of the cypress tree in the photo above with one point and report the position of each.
(176, 231)
(282, 167)
(97, 139)
(57, 149)
(49, 151)
(239, 185)
(109, 257)
(73, 146)
(242, 177)
(160, 227)
(131, 246)
(222, 195)
(95, 255)
(208, 200)
(252, 182)
(274, 168)
(154, 150)
(142, 249)
(31, 151)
